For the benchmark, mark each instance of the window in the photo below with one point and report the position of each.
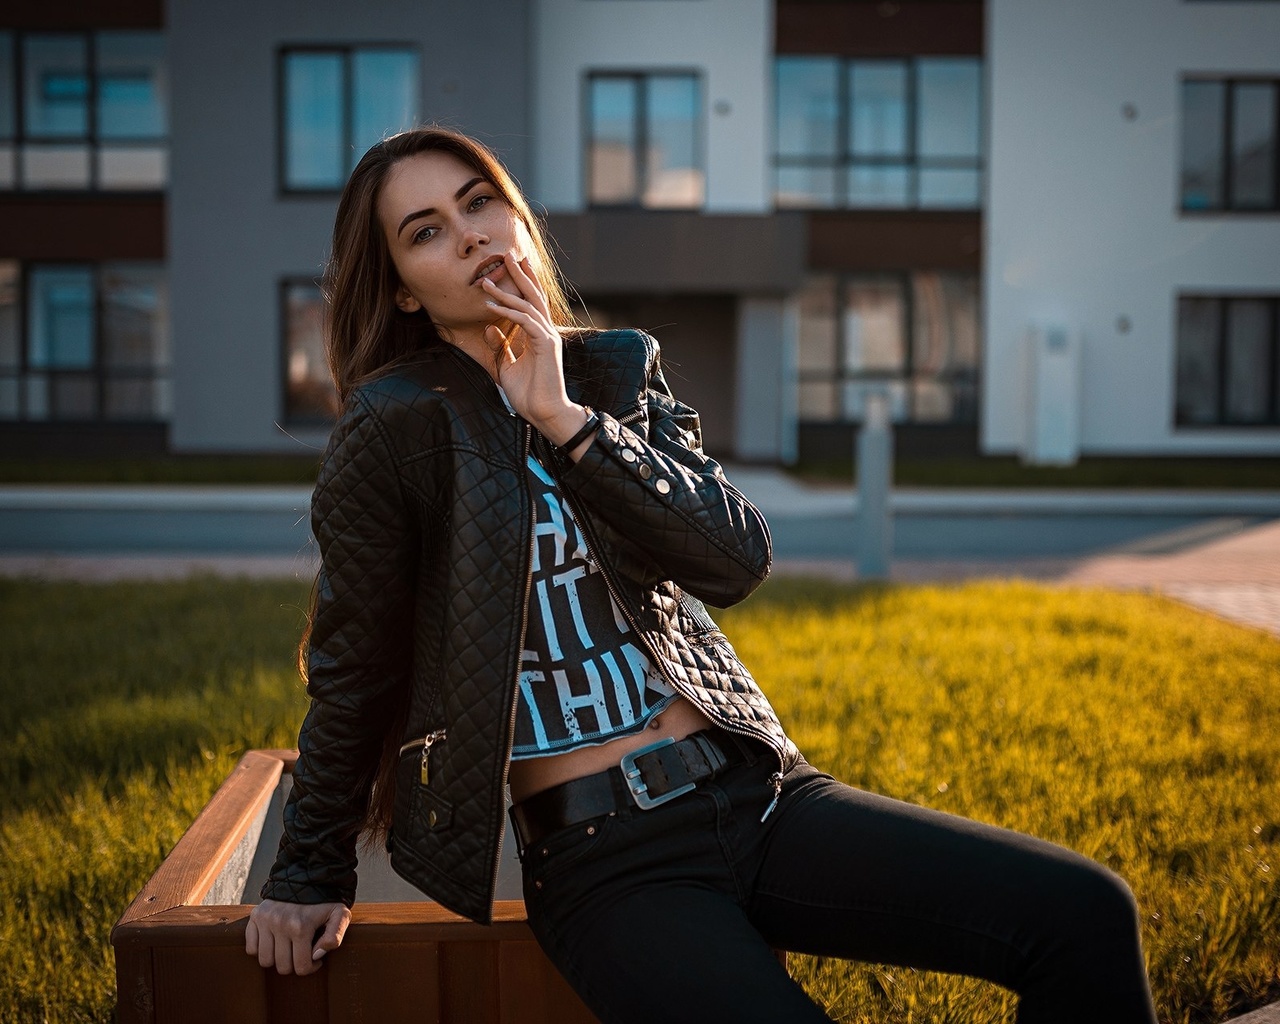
(83, 110)
(83, 342)
(1228, 361)
(915, 335)
(1229, 131)
(309, 394)
(336, 102)
(643, 142)
(878, 133)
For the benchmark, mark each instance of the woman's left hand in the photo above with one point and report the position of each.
(534, 378)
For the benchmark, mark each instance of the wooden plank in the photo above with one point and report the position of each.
(195, 862)
(135, 995)
(294, 1000)
(370, 923)
(533, 991)
(469, 982)
(382, 982)
(209, 985)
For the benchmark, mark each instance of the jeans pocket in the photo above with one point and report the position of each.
(556, 853)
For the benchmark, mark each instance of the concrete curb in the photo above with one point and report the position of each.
(1269, 1014)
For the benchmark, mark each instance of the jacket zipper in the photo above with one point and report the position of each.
(775, 780)
(427, 741)
(515, 689)
(483, 379)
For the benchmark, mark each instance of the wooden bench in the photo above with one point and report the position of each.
(180, 955)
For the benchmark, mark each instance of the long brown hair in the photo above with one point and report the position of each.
(366, 334)
(364, 330)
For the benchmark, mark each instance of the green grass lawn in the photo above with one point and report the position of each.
(1091, 471)
(1127, 727)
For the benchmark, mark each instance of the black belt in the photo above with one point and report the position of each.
(647, 778)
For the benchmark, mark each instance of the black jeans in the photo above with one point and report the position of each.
(670, 914)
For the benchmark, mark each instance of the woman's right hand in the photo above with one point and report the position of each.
(282, 935)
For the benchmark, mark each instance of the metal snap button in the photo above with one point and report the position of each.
(628, 455)
(432, 818)
(663, 487)
(645, 471)
(591, 830)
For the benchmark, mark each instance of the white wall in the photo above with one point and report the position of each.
(729, 42)
(1082, 223)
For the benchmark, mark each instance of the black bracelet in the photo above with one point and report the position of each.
(588, 428)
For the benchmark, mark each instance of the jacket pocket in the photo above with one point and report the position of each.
(428, 812)
(419, 808)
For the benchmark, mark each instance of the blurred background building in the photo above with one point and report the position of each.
(1044, 228)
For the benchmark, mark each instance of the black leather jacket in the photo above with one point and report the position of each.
(424, 522)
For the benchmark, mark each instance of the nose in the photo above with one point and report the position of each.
(469, 239)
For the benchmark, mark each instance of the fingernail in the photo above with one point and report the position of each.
(319, 953)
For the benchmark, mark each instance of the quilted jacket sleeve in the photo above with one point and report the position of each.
(360, 656)
(654, 485)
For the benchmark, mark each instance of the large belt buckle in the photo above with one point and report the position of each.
(631, 773)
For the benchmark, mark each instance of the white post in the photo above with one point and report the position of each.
(875, 480)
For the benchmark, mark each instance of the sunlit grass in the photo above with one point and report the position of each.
(1129, 728)
(123, 706)
(1132, 729)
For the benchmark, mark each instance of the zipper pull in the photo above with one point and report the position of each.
(776, 779)
(424, 772)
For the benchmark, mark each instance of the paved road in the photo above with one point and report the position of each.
(1218, 550)
(1005, 534)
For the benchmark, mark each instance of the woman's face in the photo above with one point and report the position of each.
(447, 227)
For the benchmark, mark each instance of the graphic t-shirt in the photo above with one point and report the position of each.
(584, 678)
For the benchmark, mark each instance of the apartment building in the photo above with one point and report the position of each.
(1037, 228)
(1132, 229)
(85, 351)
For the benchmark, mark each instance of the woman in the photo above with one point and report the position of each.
(517, 526)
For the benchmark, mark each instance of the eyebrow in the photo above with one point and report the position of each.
(431, 209)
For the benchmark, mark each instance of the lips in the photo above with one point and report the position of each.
(486, 268)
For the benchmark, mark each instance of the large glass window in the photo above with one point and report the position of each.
(336, 103)
(85, 110)
(94, 343)
(643, 141)
(878, 133)
(912, 335)
(1229, 141)
(309, 392)
(1228, 364)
